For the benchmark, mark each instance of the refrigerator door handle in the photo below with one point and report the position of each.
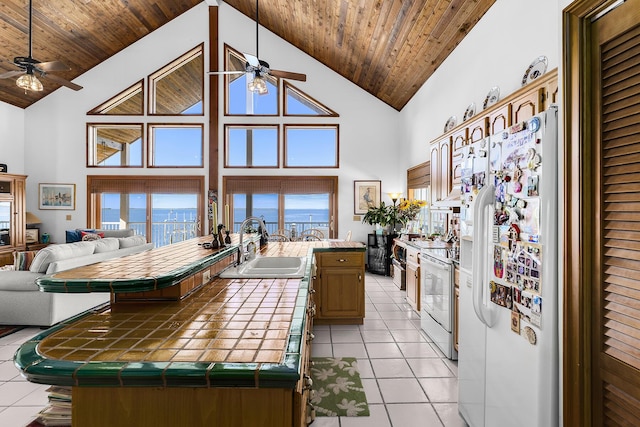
(480, 260)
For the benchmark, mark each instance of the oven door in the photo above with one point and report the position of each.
(437, 290)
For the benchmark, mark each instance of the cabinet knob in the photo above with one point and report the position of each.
(312, 291)
(342, 260)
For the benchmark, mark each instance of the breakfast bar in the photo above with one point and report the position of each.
(179, 345)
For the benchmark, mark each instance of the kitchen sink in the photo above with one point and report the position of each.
(268, 268)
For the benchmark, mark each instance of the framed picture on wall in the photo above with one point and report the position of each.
(366, 194)
(57, 196)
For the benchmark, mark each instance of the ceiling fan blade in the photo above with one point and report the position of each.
(252, 60)
(52, 66)
(11, 74)
(62, 81)
(226, 72)
(288, 75)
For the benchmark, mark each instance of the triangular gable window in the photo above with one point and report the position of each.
(129, 102)
(177, 88)
(239, 100)
(298, 103)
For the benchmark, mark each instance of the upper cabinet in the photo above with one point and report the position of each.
(446, 151)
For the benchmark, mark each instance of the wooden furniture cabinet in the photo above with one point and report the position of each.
(456, 306)
(413, 278)
(12, 216)
(339, 287)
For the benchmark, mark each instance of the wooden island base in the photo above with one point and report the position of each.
(178, 406)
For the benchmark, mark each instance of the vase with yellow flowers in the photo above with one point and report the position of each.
(408, 210)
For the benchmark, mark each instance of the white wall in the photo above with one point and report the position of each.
(12, 138)
(56, 126)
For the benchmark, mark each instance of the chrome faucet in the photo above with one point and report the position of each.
(243, 254)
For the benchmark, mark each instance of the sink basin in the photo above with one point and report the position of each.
(268, 268)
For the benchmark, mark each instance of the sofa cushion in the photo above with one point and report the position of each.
(76, 235)
(125, 232)
(19, 281)
(87, 237)
(108, 244)
(22, 260)
(128, 242)
(59, 252)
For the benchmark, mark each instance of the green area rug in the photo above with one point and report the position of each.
(337, 388)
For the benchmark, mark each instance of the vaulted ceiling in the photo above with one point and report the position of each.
(387, 47)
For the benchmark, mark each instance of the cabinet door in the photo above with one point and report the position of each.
(342, 292)
(456, 306)
(445, 168)
(477, 130)
(499, 120)
(526, 106)
(458, 140)
(435, 172)
(413, 286)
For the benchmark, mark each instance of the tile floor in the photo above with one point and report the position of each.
(407, 380)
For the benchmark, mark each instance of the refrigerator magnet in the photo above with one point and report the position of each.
(498, 262)
(515, 322)
(530, 335)
(532, 186)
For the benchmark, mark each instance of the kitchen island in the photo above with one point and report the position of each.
(218, 352)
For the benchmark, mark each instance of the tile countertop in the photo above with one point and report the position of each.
(231, 332)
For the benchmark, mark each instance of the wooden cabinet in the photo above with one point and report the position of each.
(12, 216)
(456, 306)
(440, 169)
(526, 106)
(459, 139)
(499, 120)
(413, 278)
(339, 287)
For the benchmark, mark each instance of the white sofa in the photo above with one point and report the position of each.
(22, 302)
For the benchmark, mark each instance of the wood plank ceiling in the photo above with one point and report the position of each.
(387, 47)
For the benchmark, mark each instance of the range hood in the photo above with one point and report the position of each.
(453, 200)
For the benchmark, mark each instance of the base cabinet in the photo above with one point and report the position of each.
(413, 279)
(339, 287)
(456, 307)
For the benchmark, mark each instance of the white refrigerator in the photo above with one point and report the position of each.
(508, 359)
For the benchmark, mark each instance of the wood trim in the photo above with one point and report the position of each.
(214, 102)
(285, 127)
(225, 151)
(581, 157)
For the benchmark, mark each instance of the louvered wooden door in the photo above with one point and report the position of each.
(616, 251)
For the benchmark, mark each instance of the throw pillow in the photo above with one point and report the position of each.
(91, 236)
(22, 260)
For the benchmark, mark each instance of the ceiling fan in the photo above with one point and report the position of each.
(29, 67)
(260, 69)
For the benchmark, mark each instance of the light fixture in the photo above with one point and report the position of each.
(31, 220)
(394, 197)
(29, 82)
(258, 85)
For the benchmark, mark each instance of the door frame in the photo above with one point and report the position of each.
(579, 221)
